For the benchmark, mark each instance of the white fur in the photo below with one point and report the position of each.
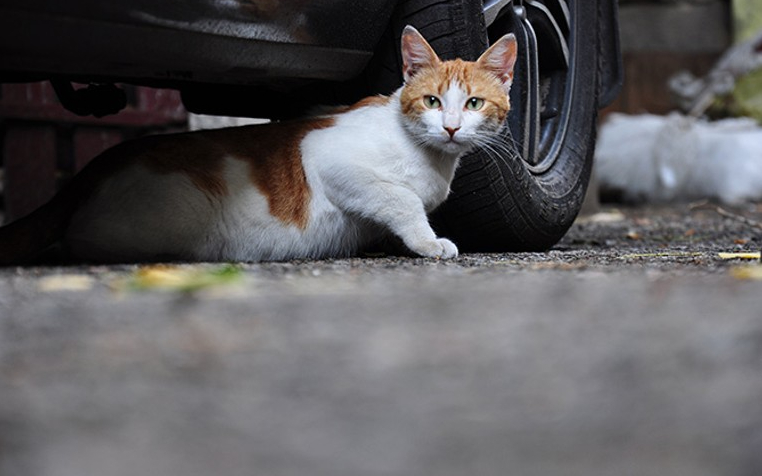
(674, 157)
(431, 129)
(383, 177)
(368, 174)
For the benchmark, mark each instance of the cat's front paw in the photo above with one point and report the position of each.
(440, 248)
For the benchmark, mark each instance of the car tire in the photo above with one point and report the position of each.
(520, 198)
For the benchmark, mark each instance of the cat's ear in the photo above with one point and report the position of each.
(500, 59)
(416, 53)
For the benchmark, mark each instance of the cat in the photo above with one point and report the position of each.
(319, 187)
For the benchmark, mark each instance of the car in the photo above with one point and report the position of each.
(278, 59)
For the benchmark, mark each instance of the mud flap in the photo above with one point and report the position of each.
(610, 69)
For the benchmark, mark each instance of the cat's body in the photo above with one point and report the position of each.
(325, 204)
(326, 186)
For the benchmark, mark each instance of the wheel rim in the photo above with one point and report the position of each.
(540, 99)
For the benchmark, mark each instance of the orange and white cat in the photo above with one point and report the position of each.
(324, 186)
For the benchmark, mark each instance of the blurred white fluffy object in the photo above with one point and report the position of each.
(679, 158)
(198, 122)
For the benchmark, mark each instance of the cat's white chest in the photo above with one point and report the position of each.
(372, 146)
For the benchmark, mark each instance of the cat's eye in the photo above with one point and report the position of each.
(474, 104)
(432, 102)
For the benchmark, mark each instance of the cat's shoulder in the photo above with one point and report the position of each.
(377, 101)
(370, 101)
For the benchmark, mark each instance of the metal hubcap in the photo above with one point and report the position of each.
(538, 95)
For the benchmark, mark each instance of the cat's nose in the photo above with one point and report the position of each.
(452, 131)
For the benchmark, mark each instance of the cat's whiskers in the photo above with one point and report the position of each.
(505, 139)
(498, 147)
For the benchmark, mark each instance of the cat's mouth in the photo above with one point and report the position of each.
(447, 139)
(454, 144)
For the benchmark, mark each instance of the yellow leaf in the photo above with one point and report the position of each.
(664, 254)
(182, 278)
(752, 255)
(603, 217)
(747, 272)
(65, 282)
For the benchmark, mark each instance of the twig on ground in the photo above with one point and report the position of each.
(727, 214)
(741, 218)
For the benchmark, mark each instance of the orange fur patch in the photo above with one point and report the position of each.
(476, 80)
(369, 101)
(191, 154)
(273, 152)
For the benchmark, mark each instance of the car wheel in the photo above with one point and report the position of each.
(524, 195)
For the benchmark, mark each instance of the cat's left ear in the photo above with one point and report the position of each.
(500, 59)
(416, 53)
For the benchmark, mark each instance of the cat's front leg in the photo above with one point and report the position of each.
(439, 248)
(399, 209)
(411, 224)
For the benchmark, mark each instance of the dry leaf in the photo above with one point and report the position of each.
(602, 217)
(65, 282)
(747, 272)
(181, 278)
(664, 254)
(746, 255)
(557, 266)
(643, 221)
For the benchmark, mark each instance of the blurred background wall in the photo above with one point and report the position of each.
(662, 37)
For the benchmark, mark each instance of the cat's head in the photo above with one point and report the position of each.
(455, 105)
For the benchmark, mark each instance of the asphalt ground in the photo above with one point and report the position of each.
(633, 347)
